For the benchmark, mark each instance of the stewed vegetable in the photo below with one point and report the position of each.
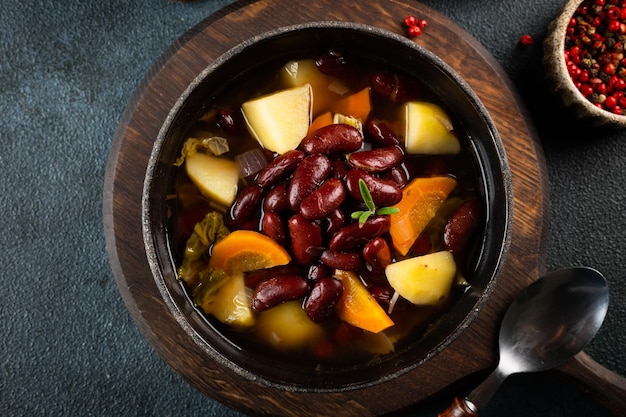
(326, 211)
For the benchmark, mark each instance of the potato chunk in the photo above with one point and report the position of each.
(423, 280)
(325, 89)
(428, 129)
(215, 177)
(287, 326)
(279, 121)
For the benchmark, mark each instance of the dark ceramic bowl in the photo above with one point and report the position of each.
(372, 44)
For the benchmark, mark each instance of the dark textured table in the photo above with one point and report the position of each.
(67, 70)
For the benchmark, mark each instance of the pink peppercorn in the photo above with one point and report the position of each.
(410, 21)
(586, 90)
(610, 102)
(584, 76)
(526, 40)
(414, 30)
(613, 13)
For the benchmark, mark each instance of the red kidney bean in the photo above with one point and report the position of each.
(376, 160)
(377, 254)
(347, 261)
(354, 234)
(313, 170)
(318, 271)
(395, 87)
(461, 224)
(229, 120)
(324, 200)
(279, 168)
(306, 239)
(334, 138)
(272, 225)
(422, 245)
(382, 294)
(397, 174)
(340, 169)
(384, 192)
(321, 302)
(380, 132)
(384, 83)
(346, 334)
(279, 289)
(333, 222)
(251, 224)
(245, 205)
(332, 63)
(254, 278)
(276, 199)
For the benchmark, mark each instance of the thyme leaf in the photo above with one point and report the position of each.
(387, 210)
(367, 196)
(371, 207)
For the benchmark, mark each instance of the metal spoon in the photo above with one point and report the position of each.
(548, 323)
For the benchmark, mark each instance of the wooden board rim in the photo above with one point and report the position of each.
(132, 143)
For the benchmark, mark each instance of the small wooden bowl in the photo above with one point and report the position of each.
(562, 84)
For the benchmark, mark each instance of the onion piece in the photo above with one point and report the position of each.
(392, 302)
(348, 120)
(251, 162)
(338, 87)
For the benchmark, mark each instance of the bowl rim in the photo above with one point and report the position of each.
(146, 218)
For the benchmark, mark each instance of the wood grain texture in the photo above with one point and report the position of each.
(605, 386)
(473, 351)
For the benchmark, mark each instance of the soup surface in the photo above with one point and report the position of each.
(326, 210)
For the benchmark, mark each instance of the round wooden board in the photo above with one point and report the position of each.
(473, 351)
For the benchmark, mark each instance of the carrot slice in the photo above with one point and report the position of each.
(246, 250)
(421, 199)
(322, 120)
(357, 105)
(357, 306)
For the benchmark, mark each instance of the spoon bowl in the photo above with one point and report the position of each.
(548, 323)
(552, 320)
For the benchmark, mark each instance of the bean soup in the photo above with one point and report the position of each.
(326, 211)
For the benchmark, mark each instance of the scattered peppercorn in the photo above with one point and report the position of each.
(526, 40)
(414, 31)
(414, 25)
(410, 21)
(594, 52)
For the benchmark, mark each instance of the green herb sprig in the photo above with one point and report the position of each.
(371, 208)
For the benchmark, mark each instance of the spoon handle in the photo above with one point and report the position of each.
(478, 398)
(458, 408)
(606, 387)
